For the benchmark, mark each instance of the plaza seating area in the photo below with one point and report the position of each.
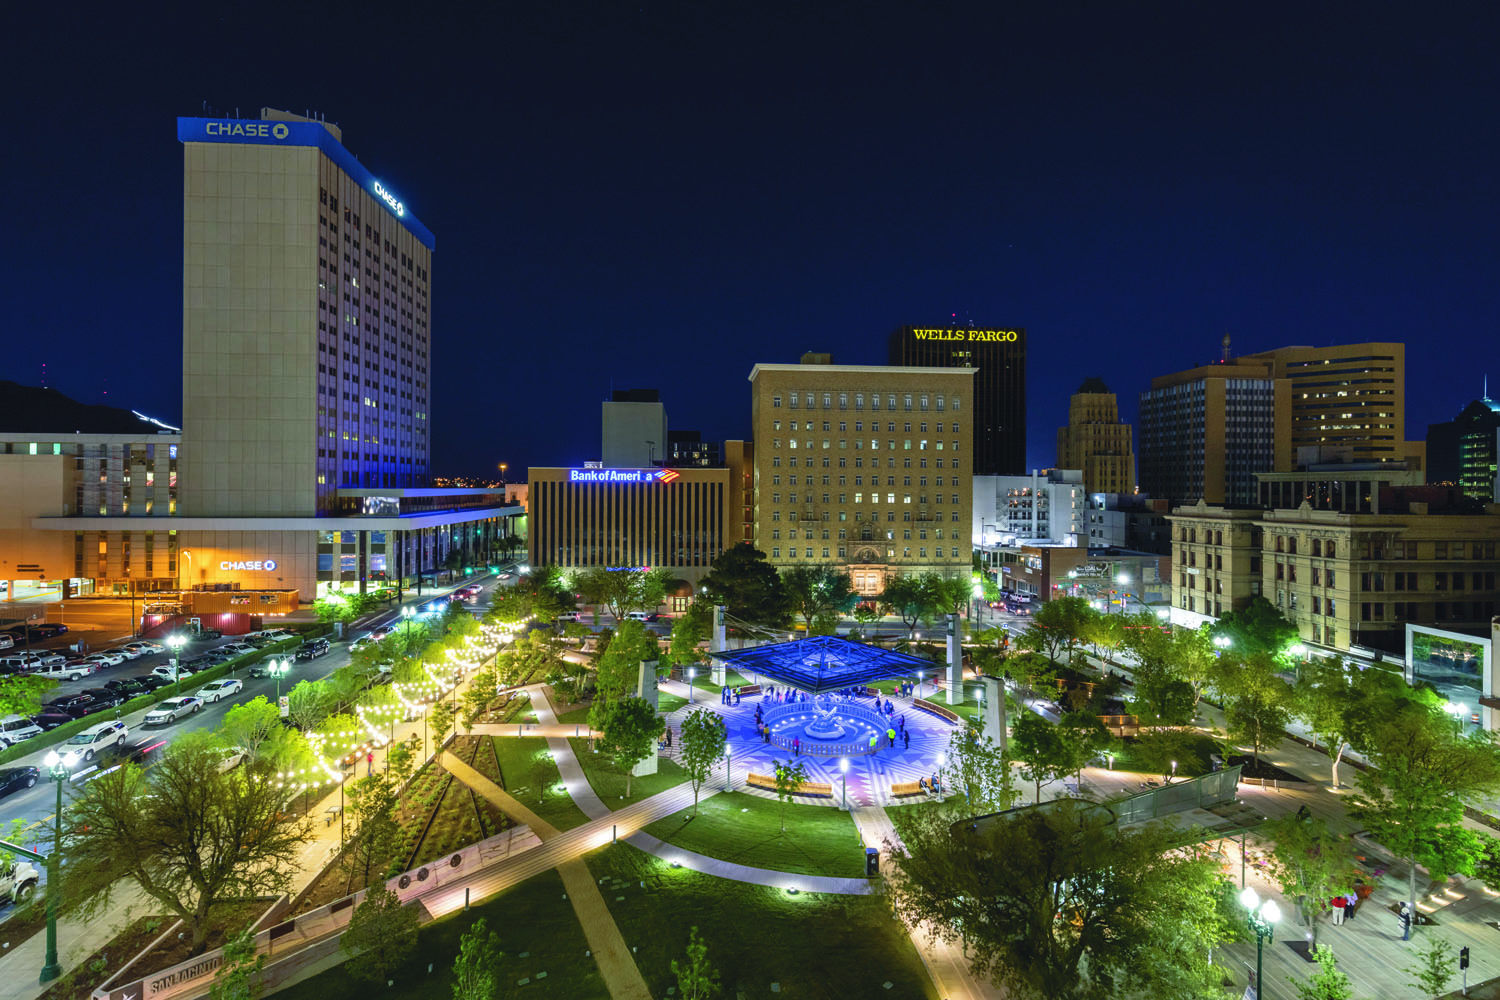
(810, 788)
(934, 708)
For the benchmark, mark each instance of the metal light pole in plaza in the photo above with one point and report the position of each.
(60, 767)
(844, 776)
(1121, 581)
(278, 669)
(691, 673)
(1262, 917)
(175, 643)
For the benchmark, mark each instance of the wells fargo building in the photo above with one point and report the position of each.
(998, 359)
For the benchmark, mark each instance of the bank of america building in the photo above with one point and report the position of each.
(306, 369)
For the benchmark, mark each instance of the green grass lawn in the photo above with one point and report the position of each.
(609, 784)
(666, 704)
(576, 717)
(523, 760)
(532, 918)
(815, 945)
(746, 829)
(703, 681)
(1191, 762)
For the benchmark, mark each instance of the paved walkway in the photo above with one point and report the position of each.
(616, 964)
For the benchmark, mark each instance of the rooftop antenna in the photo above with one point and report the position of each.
(1224, 349)
(1486, 384)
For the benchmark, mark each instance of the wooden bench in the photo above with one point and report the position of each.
(937, 710)
(746, 690)
(812, 788)
(908, 788)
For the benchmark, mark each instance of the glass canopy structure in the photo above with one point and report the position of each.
(823, 663)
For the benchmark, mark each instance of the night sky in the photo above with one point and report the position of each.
(664, 195)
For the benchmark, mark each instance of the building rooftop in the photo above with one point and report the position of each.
(1094, 384)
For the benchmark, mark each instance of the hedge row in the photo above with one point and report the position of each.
(68, 729)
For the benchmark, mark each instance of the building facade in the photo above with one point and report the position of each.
(1464, 450)
(1049, 505)
(634, 430)
(1096, 441)
(865, 468)
(998, 358)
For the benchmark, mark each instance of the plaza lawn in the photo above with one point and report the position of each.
(746, 829)
(703, 681)
(523, 762)
(577, 717)
(815, 945)
(666, 703)
(532, 918)
(1191, 764)
(609, 783)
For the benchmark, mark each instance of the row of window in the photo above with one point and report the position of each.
(860, 497)
(890, 553)
(859, 462)
(859, 444)
(859, 425)
(859, 515)
(809, 400)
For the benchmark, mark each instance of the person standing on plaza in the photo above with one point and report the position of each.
(890, 734)
(1338, 909)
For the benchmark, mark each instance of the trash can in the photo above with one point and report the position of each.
(872, 862)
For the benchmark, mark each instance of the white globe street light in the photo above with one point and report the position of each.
(1262, 917)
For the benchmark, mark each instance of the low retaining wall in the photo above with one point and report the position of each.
(852, 709)
(314, 935)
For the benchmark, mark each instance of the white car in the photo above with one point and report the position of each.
(172, 709)
(143, 648)
(64, 670)
(237, 648)
(165, 670)
(126, 651)
(219, 689)
(108, 658)
(570, 616)
(91, 740)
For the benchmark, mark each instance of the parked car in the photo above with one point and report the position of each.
(63, 670)
(141, 752)
(50, 718)
(173, 709)
(93, 739)
(215, 690)
(206, 635)
(312, 650)
(165, 670)
(570, 616)
(197, 664)
(6, 640)
(141, 648)
(13, 779)
(127, 687)
(131, 652)
(152, 681)
(107, 657)
(212, 658)
(48, 630)
(236, 648)
(66, 702)
(108, 696)
(15, 728)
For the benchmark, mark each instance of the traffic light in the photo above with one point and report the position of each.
(1463, 957)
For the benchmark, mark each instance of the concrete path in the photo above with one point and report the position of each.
(616, 964)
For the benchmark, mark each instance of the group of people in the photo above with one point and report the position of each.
(931, 786)
(1343, 907)
(729, 696)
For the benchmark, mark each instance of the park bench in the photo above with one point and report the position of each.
(908, 788)
(747, 690)
(936, 709)
(330, 814)
(814, 788)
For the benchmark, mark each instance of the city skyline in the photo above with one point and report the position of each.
(696, 193)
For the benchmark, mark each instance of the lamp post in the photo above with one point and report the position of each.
(1122, 580)
(1262, 917)
(60, 767)
(278, 668)
(175, 643)
(691, 674)
(844, 776)
(728, 769)
(1458, 710)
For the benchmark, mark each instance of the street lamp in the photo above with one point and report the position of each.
(60, 767)
(278, 669)
(844, 769)
(1262, 917)
(1122, 580)
(728, 769)
(1222, 641)
(175, 643)
(1458, 710)
(691, 674)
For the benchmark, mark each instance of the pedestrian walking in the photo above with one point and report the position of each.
(1350, 902)
(1405, 916)
(873, 741)
(903, 722)
(736, 696)
(369, 763)
(905, 740)
(1338, 910)
(796, 746)
(890, 734)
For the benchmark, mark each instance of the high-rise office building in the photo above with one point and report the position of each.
(1207, 431)
(1463, 450)
(306, 312)
(998, 357)
(1096, 441)
(634, 429)
(866, 468)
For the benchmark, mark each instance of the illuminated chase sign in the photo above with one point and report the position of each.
(313, 134)
(389, 199)
(259, 565)
(1001, 336)
(622, 475)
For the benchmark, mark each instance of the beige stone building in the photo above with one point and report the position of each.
(1096, 441)
(1344, 578)
(868, 468)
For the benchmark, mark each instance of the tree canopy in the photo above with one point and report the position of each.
(745, 582)
(1259, 628)
(818, 590)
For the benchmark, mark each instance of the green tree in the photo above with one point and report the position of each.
(479, 955)
(824, 623)
(372, 802)
(185, 833)
(1059, 624)
(238, 977)
(817, 590)
(402, 758)
(1162, 698)
(1328, 983)
(687, 632)
(701, 739)
(254, 728)
(1059, 903)
(978, 768)
(1257, 702)
(618, 673)
(1157, 749)
(1084, 739)
(310, 702)
(910, 598)
(789, 775)
(1320, 699)
(624, 590)
(1310, 863)
(22, 694)
(1040, 749)
(382, 934)
(440, 721)
(748, 586)
(336, 607)
(629, 734)
(1435, 967)
(1259, 629)
(950, 595)
(697, 979)
(1412, 797)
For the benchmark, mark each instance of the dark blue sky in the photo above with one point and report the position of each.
(666, 194)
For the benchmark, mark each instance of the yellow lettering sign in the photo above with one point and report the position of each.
(992, 336)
